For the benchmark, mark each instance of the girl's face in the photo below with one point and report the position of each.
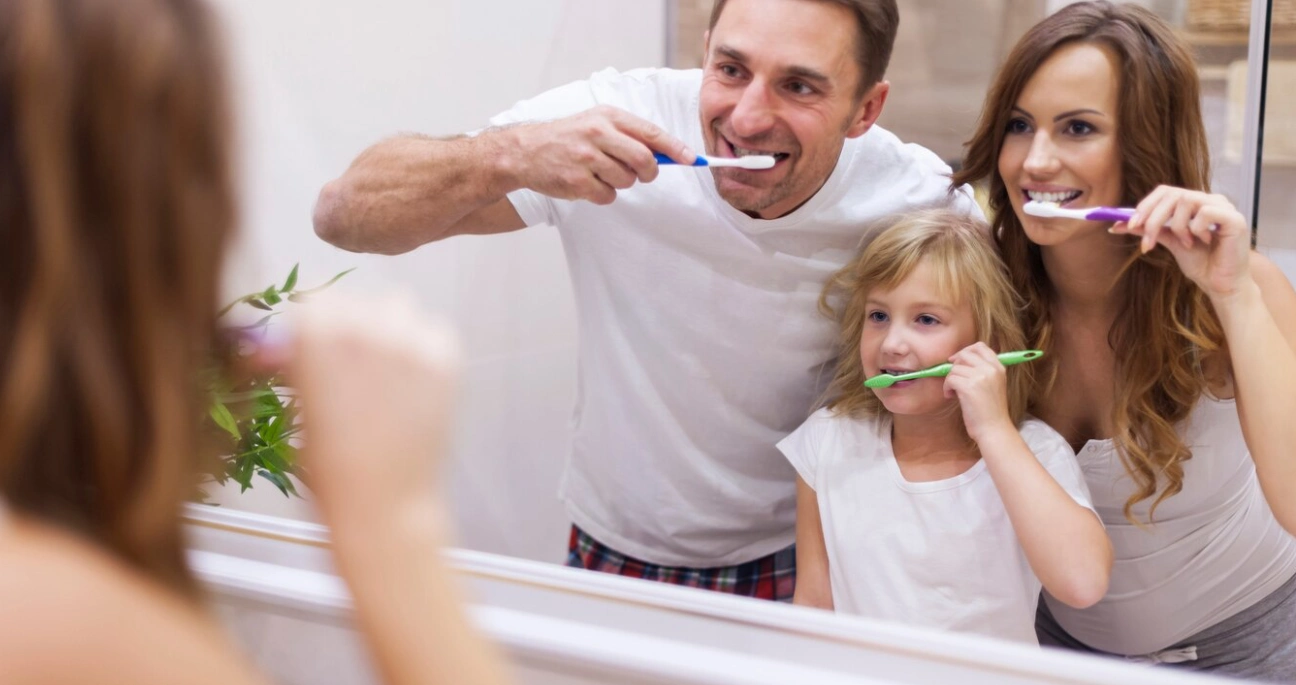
(909, 328)
(1061, 142)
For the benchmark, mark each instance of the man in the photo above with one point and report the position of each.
(700, 340)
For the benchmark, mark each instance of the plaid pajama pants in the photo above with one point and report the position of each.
(770, 577)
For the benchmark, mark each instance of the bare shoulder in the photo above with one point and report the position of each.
(74, 614)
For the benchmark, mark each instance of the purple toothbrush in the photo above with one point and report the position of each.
(1054, 210)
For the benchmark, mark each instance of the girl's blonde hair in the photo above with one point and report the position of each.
(968, 270)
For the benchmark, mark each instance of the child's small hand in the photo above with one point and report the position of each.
(979, 381)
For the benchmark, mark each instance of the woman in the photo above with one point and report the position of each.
(116, 204)
(1170, 365)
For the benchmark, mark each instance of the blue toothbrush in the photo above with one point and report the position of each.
(749, 162)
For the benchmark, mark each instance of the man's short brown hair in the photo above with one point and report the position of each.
(877, 21)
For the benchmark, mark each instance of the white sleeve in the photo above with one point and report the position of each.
(802, 448)
(964, 202)
(1052, 450)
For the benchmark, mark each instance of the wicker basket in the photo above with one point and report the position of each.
(1235, 15)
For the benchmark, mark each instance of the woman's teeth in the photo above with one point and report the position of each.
(1055, 198)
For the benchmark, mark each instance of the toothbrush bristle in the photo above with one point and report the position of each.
(757, 162)
(748, 162)
(1042, 209)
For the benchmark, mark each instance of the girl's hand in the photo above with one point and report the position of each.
(1181, 220)
(980, 382)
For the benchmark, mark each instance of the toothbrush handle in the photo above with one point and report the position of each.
(938, 370)
(1119, 214)
(1006, 358)
(1110, 214)
(663, 158)
(1010, 358)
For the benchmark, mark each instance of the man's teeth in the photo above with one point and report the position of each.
(744, 152)
(1055, 198)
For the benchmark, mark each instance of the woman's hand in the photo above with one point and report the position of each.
(980, 382)
(1206, 234)
(376, 383)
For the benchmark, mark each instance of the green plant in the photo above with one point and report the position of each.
(255, 417)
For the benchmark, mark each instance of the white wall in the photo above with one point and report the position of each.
(319, 80)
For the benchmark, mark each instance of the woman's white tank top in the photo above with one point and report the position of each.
(1214, 549)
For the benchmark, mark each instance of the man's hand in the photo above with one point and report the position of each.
(591, 155)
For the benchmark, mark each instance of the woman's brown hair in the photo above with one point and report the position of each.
(967, 270)
(116, 203)
(1165, 328)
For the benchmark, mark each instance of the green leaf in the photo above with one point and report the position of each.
(260, 413)
(267, 397)
(264, 455)
(292, 279)
(260, 426)
(331, 281)
(243, 474)
(273, 429)
(287, 453)
(223, 418)
(268, 407)
(280, 481)
(275, 457)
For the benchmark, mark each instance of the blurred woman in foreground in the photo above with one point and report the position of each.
(116, 205)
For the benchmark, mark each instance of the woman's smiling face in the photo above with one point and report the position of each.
(1061, 141)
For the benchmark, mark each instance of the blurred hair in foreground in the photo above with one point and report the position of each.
(116, 204)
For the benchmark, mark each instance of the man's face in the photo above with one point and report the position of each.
(780, 79)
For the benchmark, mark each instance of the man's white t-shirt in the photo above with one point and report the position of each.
(940, 554)
(701, 344)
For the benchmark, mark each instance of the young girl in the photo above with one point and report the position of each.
(933, 502)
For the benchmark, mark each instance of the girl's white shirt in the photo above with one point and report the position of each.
(941, 554)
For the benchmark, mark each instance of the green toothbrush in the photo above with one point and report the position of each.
(886, 380)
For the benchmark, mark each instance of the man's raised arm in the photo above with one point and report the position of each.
(410, 190)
